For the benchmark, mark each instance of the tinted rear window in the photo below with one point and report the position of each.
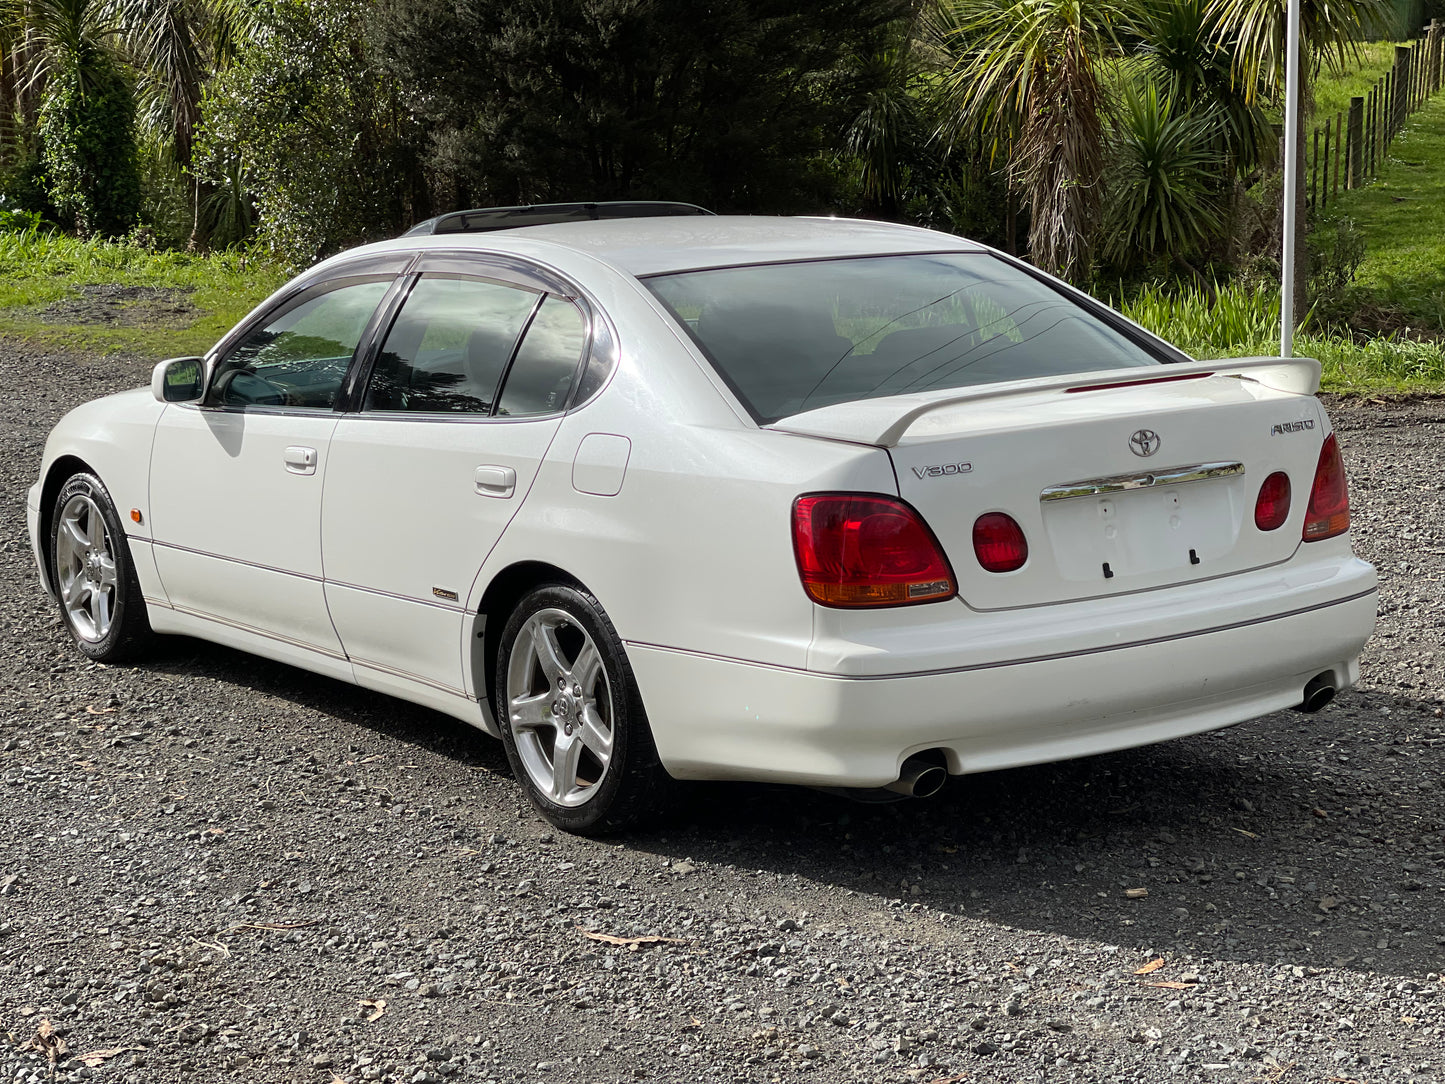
(796, 336)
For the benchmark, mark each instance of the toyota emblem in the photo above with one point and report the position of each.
(1144, 442)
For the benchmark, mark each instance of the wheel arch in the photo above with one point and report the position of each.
(61, 470)
(502, 594)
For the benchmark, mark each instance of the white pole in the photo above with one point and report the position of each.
(1291, 172)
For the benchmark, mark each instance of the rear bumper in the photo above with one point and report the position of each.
(719, 718)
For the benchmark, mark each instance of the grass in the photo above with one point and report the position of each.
(1402, 218)
(1240, 321)
(40, 268)
(1334, 89)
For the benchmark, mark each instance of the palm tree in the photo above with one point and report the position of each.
(167, 48)
(1163, 177)
(1195, 60)
(889, 133)
(1027, 72)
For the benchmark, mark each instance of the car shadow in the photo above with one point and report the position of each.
(1306, 840)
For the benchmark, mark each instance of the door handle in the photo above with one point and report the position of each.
(300, 460)
(495, 481)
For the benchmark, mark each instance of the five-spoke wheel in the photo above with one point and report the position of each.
(93, 577)
(572, 721)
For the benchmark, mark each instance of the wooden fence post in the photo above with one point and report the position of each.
(1339, 138)
(1354, 163)
(1315, 172)
(1435, 38)
(1401, 95)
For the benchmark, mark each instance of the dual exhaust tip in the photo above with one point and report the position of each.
(924, 774)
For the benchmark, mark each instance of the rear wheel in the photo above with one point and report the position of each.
(94, 579)
(571, 718)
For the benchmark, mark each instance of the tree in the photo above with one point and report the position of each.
(86, 113)
(1028, 73)
(305, 122)
(732, 105)
(1162, 177)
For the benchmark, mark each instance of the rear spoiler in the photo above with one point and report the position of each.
(884, 421)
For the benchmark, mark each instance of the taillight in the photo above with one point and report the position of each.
(1271, 507)
(999, 542)
(1329, 511)
(856, 550)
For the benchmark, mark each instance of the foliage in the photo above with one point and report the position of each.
(1237, 321)
(1332, 30)
(23, 187)
(1208, 322)
(1193, 58)
(44, 267)
(734, 106)
(1028, 73)
(17, 219)
(1163, 181)
(308, 124)
(87, 130)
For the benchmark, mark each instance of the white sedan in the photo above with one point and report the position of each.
(835, 503)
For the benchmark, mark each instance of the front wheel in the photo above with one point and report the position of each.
(94, 579)
(571, 718)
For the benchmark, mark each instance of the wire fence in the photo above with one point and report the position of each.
(1346, 152)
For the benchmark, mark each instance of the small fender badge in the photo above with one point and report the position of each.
(942, 470)
(442, 592)
(1281, 428)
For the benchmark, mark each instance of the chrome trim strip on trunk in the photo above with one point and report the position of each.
(1119, 483)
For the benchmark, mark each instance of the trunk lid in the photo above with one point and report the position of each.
(1065, 458)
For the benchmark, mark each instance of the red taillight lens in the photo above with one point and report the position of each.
(1271, 507)
(999, 542)
(856, 550)
(1329, 511)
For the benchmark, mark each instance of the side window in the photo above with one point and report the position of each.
(299, 358)
(546, 362)
(449, 347)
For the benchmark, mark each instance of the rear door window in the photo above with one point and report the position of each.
(449, 348)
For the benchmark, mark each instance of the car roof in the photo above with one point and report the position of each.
(650, 246)
(657, 245)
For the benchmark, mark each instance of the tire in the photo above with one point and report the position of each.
(93, 575)
(571, 717)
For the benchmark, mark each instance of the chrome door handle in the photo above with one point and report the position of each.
(300, 460)
(495, 481)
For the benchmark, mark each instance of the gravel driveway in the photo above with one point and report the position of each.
(217, 868)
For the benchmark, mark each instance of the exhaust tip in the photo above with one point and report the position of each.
(923, 776)
(1319, 691)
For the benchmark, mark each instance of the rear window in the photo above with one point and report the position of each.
(792, 337)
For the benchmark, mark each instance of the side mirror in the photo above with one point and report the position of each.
(179, 380)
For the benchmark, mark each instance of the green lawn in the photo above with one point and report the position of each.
(1402, 217)
(1334, 89)
(42, 269)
